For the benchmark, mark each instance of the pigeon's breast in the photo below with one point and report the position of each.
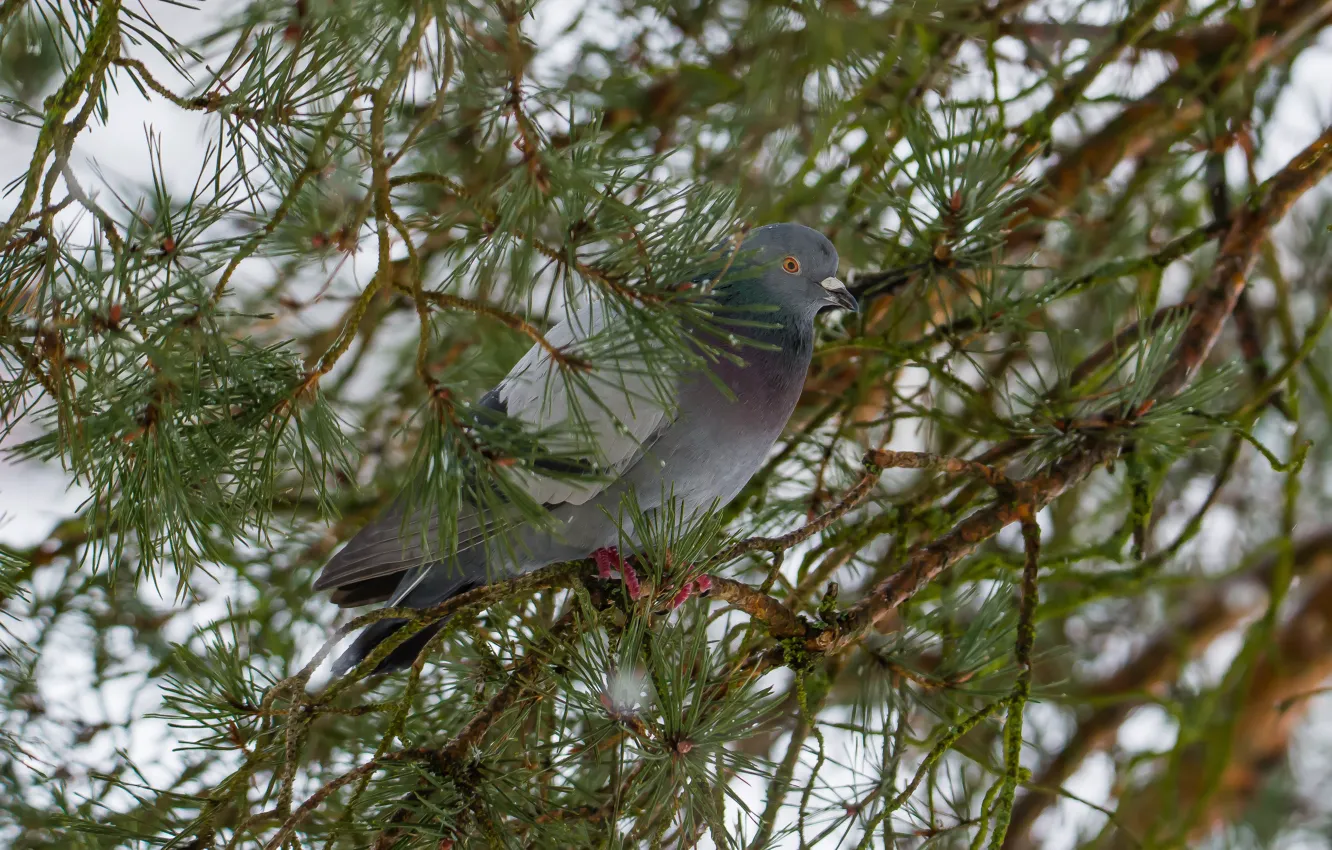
(763, 390)
(721, 438)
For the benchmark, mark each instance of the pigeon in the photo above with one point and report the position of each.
(698, 443)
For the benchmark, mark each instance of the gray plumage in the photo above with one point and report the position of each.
(691, 438)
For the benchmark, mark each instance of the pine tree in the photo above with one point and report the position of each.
(1062, 482)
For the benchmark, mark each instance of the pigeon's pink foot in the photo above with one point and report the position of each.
(700, 585)
(685, 593)
(630, 580)
(608, 560)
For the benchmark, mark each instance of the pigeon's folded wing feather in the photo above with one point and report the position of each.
(391, 545)
(602, 417)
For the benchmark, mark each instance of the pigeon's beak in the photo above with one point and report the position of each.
(839, 295)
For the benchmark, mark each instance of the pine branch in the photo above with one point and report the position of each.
(84, 81)
(1276, 701)
(1211, 305)
(1215, 301)
(1157, 663)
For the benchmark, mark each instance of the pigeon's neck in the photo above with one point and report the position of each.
(752, 315)
(773, 351)
(790, 342)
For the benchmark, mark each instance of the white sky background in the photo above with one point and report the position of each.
(34, 497)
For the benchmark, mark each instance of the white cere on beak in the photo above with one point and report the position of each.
(838, 294)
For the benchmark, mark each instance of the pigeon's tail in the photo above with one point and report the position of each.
(373, 635)
(429, 588)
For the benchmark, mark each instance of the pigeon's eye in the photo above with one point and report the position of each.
(791, 265)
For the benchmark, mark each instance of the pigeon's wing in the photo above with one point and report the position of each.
(367, 569)
(599, 420)
(599, 417)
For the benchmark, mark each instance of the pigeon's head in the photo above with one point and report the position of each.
(794, 266)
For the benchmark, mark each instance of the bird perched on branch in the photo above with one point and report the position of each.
(701, 443)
